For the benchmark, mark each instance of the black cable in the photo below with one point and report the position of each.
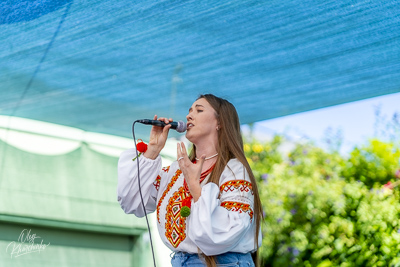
(140, 193)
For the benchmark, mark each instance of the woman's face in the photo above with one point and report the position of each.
(201, 123)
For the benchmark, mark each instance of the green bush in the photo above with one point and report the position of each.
(315, 217)
(374, 164)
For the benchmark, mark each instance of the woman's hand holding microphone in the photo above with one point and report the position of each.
(191, 172)
(158, 138)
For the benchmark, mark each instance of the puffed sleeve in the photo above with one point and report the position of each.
(223, 215)
(128, 188)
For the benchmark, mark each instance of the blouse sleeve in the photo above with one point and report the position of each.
(128, 188)
(223, 215)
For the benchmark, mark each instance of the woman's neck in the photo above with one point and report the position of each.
(207, 150)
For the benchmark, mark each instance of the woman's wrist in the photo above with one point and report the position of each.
(195, 191)
(151, 153)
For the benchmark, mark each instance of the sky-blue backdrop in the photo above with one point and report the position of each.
(99, 65)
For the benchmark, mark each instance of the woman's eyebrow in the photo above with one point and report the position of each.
(198, 105)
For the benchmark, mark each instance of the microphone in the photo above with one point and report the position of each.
(179, 126)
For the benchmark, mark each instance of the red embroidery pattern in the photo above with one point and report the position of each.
(157, 182)
(237, 206)
(158, 179)
(241, 185)
(169, 186)
(175, 224)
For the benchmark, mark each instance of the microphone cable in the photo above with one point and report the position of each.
(140, 192)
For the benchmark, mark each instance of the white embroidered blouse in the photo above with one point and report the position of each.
(220, 221)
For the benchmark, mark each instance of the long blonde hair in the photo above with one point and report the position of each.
(230, 146)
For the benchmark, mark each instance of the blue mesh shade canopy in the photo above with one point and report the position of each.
(100, 65)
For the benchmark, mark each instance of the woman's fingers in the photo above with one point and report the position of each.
(178, 150)
(181, 151)
(180, 157)
(201, 161)
(165, 120)
(184, 153)
(159, 135)
(166, 129)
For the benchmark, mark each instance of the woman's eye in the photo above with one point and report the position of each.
(199, 110)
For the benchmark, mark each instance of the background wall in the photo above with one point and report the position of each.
(63, 190)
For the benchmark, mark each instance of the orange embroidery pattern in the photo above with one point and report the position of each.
(157, 182)
(166, 169)
(237, 206)
(241, 185)
(169, 186)
(175, 224)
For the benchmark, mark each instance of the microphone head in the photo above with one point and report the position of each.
(181, 127)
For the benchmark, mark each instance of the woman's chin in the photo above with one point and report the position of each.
(189, 137)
